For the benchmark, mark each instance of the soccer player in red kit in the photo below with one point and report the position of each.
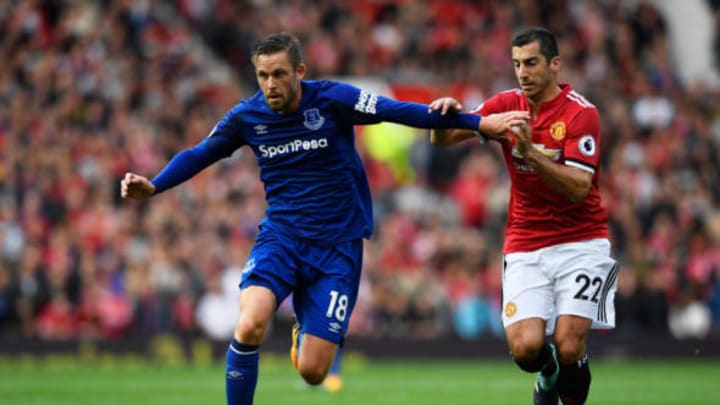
(558, 276)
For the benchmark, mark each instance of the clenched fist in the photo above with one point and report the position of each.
(136, 187)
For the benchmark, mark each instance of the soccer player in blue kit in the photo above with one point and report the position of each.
(319, 208)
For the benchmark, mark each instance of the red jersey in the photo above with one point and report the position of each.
(566, 131)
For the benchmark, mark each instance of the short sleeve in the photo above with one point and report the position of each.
(582, 145)
(493, 105)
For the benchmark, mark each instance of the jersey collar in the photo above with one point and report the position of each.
(564, 90)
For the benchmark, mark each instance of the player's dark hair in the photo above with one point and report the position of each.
(546, 39)
(277, 42)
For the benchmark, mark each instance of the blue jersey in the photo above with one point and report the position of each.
(315, 183)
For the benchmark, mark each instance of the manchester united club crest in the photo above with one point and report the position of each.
(313, 119)
(510, 309)
(557, 130)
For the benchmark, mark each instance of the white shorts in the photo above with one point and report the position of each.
(578, 278)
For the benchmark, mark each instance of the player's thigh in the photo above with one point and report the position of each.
(257, 304)
(527, 289)
(268, 277)
(586, 280)
(272, 265)
(326, 295)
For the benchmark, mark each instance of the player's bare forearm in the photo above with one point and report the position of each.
(573, 182)
(447, 137)
(492, 126)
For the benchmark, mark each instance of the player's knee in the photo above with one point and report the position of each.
(525, 351)
(570, 349)
(525, 357)
(313, 375)
(313, 369)
(250, 330)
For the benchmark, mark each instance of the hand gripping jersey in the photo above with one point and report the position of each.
(566, 131)
(315, 184)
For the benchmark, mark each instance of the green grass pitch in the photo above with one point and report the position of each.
(662, 382)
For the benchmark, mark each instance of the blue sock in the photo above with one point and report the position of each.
(337, 362)
(241, 373)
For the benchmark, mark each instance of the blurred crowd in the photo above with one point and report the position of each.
(90, 90)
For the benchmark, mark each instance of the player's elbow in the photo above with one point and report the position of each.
(579, 192)
(576, 197)
(436, 138)
(578, 185)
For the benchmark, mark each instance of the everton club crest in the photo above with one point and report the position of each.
(313, 119)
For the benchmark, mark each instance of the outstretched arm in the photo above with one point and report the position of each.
(180, 168)
(492, 126)
(362, 107)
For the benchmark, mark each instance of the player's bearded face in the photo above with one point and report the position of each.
(534, 73)
(279, 82)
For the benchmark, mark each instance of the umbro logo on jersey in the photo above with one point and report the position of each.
(260, 129)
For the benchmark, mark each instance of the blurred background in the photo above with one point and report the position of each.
(90, 90)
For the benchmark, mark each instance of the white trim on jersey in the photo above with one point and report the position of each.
(580, 165)
(479, 107)
(576, 97)
(212, 131)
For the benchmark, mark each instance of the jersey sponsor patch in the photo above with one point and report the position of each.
(313, 119)
(249, 265)
(296, 145)
(557, 130)
(552, 154)
(366, 103)
(586, 146)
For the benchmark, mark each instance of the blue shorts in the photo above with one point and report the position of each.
(324, 279)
